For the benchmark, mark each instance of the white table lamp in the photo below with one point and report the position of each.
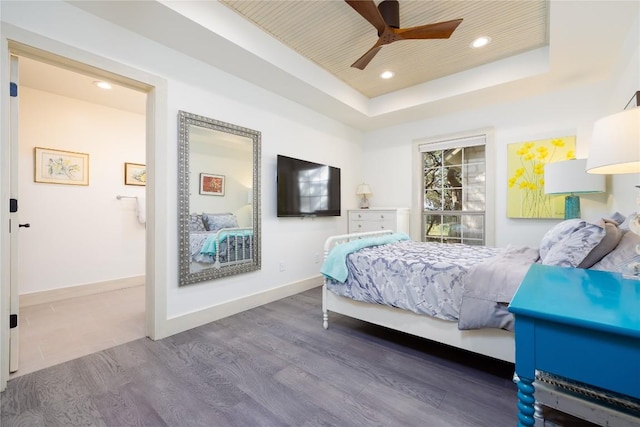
(364, 190)
(615, 142)
(569, 177)
(615, 149)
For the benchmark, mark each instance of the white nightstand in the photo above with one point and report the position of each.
(396, 219)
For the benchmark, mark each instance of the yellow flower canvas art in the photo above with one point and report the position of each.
(525, 177)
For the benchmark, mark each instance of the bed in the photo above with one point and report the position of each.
(216, 240)
(451, 293)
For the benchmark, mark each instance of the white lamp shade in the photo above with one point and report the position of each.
(569, 177)
(615, 144)
(363, 189)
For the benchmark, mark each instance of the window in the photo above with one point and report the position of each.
(454, 191)
(313, 185)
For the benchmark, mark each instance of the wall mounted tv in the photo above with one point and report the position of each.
(307, 188)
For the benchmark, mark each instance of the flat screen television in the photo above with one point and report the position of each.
(307, 188)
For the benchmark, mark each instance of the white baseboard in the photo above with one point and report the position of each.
(52, 295)
(211, 314)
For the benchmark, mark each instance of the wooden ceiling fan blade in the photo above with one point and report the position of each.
(367, 57)
(369, 11)
(440, 30)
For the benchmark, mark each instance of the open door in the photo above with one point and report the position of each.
(14, 225)
(155, 89)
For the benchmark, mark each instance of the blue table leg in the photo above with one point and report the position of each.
(526, 402)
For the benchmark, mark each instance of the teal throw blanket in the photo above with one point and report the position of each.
(335, 266)
(209, 246)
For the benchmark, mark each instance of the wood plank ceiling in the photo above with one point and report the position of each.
(333, 35)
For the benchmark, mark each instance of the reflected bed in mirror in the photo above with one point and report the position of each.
(218, 199)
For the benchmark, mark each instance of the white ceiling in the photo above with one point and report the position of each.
(49, 78)
(583, 46)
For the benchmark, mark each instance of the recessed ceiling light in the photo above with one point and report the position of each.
(387, 74)
(102, 85)
(480, 42)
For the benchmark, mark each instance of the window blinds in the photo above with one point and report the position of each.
(469, 141)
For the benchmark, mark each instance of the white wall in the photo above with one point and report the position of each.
(537, 118)
(79, 234)
(387, 153)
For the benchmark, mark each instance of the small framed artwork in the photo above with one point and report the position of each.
(61, 167)
(212, 185)
(135, 174)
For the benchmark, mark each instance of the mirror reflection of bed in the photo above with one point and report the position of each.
(219, 212)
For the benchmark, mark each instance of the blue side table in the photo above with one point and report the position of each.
(581, 325)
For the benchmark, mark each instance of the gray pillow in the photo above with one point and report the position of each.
(568, 243)
(624, 253)
(196, 223)
(617, 217)
(214, 222)
(612, 237)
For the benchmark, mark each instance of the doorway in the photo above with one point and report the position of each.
(75, 302)
(21, 43)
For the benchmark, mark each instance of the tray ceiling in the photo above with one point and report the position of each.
(333, 35)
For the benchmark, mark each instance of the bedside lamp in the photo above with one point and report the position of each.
(615, 142)
(569, 177)
(364, 190)
(615, 149)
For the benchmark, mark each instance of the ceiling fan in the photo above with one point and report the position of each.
(386, 19)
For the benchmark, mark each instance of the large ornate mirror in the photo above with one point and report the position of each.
(218, 199)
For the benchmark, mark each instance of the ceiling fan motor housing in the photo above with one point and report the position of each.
(390, 11)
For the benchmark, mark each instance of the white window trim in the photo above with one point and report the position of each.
(443, 142)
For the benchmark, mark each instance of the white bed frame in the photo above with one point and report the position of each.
(232, 234)
(496, 343)
(199, 266)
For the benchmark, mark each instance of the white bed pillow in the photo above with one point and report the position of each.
(624, 226)
(568, 243)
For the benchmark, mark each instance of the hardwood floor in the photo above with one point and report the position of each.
(270, 366)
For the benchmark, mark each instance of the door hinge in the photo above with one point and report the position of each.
(13, 321)
(13, 205)
(13, 89)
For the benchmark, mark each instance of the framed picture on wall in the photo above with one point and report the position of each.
(213, 185)
(135, 174)
(60, 167)
(525, 183)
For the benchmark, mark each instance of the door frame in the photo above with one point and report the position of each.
(15, 40)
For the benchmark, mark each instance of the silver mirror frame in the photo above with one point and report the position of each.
(186, 277)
